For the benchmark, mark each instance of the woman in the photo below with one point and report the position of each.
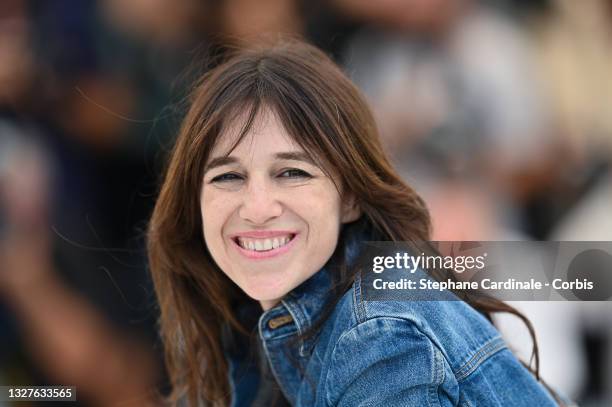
(276, 177)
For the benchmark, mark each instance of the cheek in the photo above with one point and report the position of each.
(323, 204)
(215, 211)
(320, 208)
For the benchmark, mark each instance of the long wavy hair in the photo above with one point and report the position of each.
(328, 117)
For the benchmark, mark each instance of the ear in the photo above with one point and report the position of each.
(350, 209)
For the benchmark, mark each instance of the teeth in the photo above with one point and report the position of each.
(267, 244)
(260, 245)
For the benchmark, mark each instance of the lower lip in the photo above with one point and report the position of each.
(253, 255)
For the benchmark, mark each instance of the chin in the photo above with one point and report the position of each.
(265, 293)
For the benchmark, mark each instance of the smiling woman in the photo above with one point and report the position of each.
(267, 200)
(276, 177)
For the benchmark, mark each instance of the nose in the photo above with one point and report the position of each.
(260, 203)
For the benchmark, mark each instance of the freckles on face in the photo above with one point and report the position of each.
(271, 217)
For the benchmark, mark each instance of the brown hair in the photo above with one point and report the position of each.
(327, 116)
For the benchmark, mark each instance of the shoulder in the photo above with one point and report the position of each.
(417, 352)
(454, 327)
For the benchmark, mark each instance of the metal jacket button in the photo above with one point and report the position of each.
(280, 321)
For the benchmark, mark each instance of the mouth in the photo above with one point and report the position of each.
(264, 245)
(256, 248)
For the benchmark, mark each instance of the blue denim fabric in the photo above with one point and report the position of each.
(392, 353)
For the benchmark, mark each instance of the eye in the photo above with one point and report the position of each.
(294, 173)
(227, 177)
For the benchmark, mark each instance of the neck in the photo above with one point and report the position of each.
(267, 304)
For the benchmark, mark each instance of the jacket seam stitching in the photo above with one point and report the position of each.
(360, 312)
(283, 336)
(296, 312)
(438, 376)
(491, 347)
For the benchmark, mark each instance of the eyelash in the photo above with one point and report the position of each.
(236, 177)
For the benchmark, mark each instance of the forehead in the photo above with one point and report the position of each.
(265, 136)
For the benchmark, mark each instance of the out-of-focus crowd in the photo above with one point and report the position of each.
(498, 112)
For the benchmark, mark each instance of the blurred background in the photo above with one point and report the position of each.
(497, 111)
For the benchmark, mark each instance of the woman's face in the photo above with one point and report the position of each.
(271, 217)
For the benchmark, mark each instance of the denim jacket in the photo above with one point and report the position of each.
(391, 353)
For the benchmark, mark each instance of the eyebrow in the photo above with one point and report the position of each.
(292, 156)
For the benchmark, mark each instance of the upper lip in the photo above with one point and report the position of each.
(263, 234)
